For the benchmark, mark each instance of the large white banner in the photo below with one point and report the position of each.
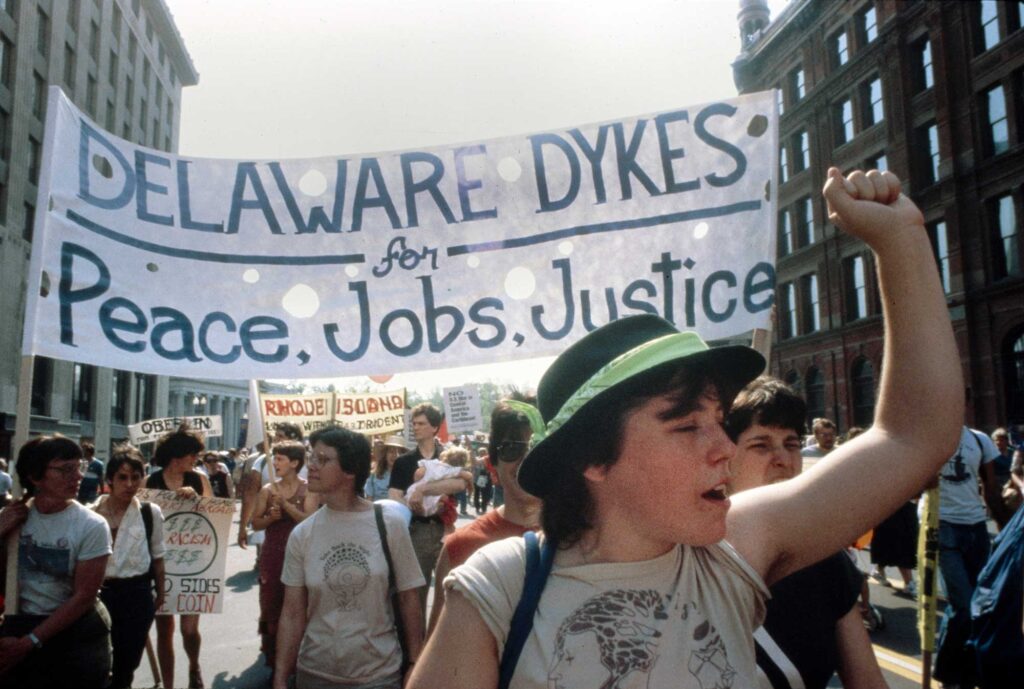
(399, 261)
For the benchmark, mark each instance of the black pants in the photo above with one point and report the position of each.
(77, 657)
(131, 607)
(482, 498)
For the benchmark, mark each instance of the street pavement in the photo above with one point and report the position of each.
(230, 655)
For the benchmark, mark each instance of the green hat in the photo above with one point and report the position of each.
(626, 350)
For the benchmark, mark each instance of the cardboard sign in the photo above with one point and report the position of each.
(462, 409)
(196, 543)
(402, 261)
(150, 431)
(368, 413)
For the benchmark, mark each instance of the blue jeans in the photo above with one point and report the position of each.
(963, 551)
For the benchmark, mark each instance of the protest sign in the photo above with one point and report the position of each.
(150, 431)
(403, 261)
(462, 409)
(370, 413)
(196, 549)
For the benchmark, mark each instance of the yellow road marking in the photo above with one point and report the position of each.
(904, 666)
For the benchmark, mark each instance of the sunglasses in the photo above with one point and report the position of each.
(512, 450)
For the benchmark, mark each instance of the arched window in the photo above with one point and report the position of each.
(1013, 356)
(792, 379)
(862, 377)
(815, 394)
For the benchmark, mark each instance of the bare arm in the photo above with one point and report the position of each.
(262, 516)
(444, 486)
(396, 495)
(412, 622)
(858, 667)
(778, 528)
(159, 580)
(231, 486)
(993, 493)
(250, 489)
(461, 655)
(290, 628)
(207, 488)
(441, 570)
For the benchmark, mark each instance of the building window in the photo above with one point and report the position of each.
(780, 100)
(120, 390)
(5, 134)
(940, 248)
(879, 162)
(785, 234)
(142, 116)
(161, 54)
(30, 222)
(112, 69)
(94, 41)
(116, 24)
(862, 376)
(988, 24)
(133, 48)
(145, 396)
(1005, 238)
(809, 303)
(871, 100)
(129, 95)
(815, 397)
(111, 118)
(997, 134)
(82, 384)
(792, 379)
(34, 158)
(42, 32)
(38, 96)
(804, 222)
(923, 74)
(855, 288)
(90, 96)
(42, 379)
(1013, 355)
(840, 49)
(928, 154)
(145, 75)
(136, 5)
(797, 84)
(783, 164)
(867, 25)
(69, 68)
(149, 30)
(844, 122)
(802, 161)
(788, 311)
(6, 63)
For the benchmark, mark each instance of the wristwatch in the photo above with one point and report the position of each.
(36, 643)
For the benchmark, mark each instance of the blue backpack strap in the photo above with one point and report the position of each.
(538, 566)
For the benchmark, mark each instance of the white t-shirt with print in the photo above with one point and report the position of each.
(685, 619)
(959, 501)
(337, 556)
(50, 547)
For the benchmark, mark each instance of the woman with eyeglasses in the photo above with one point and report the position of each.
(219, 476)
(61, 636)
(338, 626)
(511, 431)
(176, 456)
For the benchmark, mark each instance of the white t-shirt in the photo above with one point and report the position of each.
(337, 556)
(959, 501)
(132, 554)
(50, 547)
(685, 619)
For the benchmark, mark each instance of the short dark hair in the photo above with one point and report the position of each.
(568, 509)
(292, 431)
(506, 421)
(428, 410)
(767, 401)
(34, 457)
(292, 449)
(353, 451)
(125, 454)
(88, 449)
(179, 443)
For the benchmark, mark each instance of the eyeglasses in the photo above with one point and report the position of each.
(69, 469)
(512, 450)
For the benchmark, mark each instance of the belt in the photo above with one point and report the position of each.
(115, 581)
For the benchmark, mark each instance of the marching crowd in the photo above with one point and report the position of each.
(657, 522)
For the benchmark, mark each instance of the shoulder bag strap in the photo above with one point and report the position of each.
(147, 520)
(378, 515)
(538, 566)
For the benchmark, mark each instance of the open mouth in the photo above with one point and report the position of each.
(716, 494)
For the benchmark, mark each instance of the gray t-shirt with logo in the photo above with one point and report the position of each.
(959, 501)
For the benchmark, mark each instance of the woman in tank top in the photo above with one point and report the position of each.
(176, 455)
(280, 505)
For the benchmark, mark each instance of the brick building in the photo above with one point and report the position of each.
(933, 91)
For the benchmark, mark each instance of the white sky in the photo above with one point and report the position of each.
(309, 78)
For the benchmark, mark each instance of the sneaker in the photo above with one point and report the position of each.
(910, 589)
(879, 578)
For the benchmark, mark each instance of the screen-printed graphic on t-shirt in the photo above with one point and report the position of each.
(346, 572)
(44, 559)
(613, 639)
